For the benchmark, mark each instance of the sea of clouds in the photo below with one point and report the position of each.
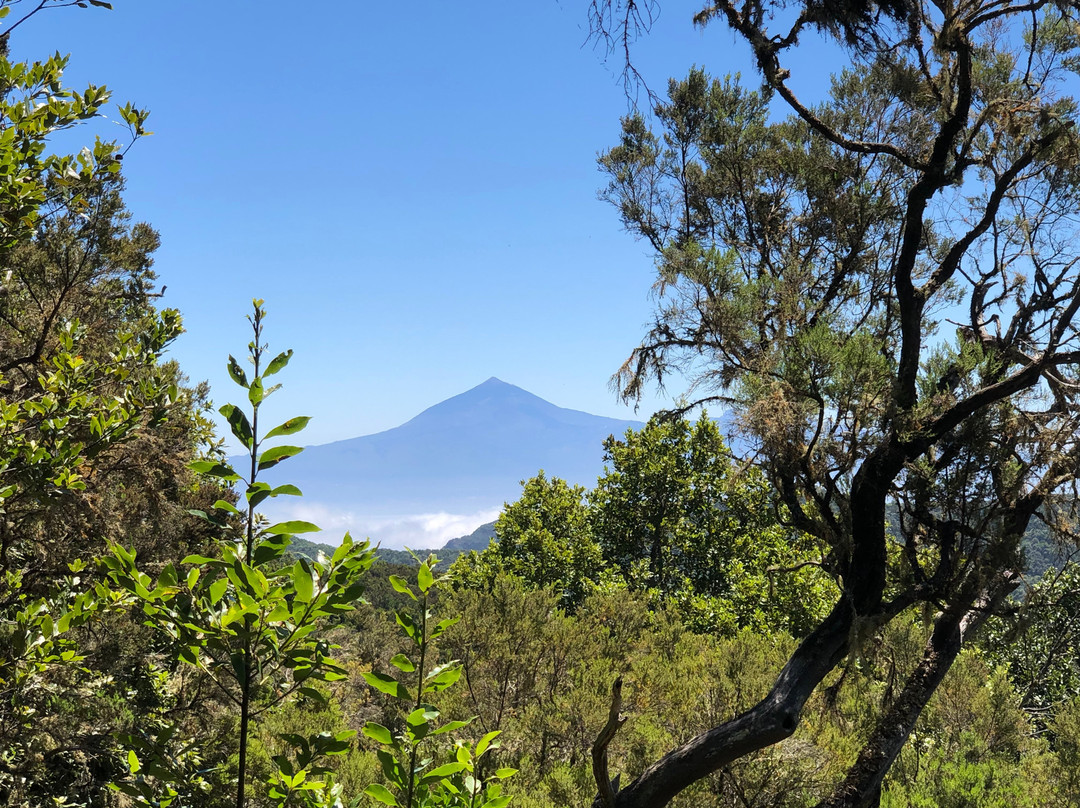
(416, 531)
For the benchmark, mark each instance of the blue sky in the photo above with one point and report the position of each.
(411, 188)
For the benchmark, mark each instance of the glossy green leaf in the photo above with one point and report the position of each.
(402, 663)
(217, 590)
(225, 505)
(214, 469)
(236, 373)
(292, 527)
(290, 427)
(485, 742)
(442, 680)
(424, 578)
(440, 772)
(271, 457)
(421, 715)
(399, 585)
(278, 362)
(198, 559)
(387, 684)
(238, 423)
(256, 393)
(256, 493)
(378, 733)
(302, 582)
(382, 794)
(452, 726)
(270, 548)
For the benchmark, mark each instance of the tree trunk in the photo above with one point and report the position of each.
(861, 788)
(770, 721)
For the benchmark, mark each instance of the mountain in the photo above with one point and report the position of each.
(446, 470)
(478, 540)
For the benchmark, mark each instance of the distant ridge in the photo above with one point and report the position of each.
(462, 457)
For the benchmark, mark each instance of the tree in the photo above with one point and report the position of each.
(673, 514)
(81, 382)
(544, 539)
(883, 285)
(244, 617)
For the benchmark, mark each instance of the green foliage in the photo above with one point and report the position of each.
(671, 516)
(1040, 642)
(94, 430)
(674, 515)
(544, 538)
(245, 618)
(972, 748)
(459, 782)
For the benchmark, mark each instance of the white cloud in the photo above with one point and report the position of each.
(418, 531)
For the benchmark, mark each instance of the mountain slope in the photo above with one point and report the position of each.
(466, 455)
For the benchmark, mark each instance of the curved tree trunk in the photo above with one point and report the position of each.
(861, 788)
(770, 721)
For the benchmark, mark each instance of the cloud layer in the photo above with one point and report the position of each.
(418, 531)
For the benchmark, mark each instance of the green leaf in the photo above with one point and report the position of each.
(406, 622)
(441, 772)
(290, 427)
(424, 578)
(225, 505)
(382, 794)
(502, 774)
(421, 715)
(399, 585)
(286, 490)
(402, 663)
(133, 762)
(271, 457)
(238, 423)
(302, 582)
(387, 684)
(270, 549)
(256, 493)
(212, 469)
(452, 726)
(256, 393)
(292, 527)
(442, 680)
(278, 362)
(443, 625)
(498, 802)
(485, 742)
(217, 590)
(378, 733)
(314, 694)
(197, 559)
(237, 372)
(392, 769)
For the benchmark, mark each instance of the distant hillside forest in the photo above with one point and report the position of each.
(478, 540)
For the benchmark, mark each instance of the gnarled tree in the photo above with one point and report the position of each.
(883, 286)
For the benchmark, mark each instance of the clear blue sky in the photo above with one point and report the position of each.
(410, 186)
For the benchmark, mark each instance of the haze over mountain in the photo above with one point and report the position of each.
(444, 472)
